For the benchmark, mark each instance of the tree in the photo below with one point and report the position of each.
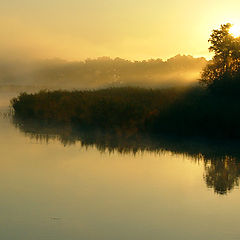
(224, 68)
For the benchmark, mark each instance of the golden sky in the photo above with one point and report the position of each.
(131, 29)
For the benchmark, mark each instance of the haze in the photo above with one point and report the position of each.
(134, 30)
(100, 72)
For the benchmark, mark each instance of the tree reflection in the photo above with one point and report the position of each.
(222, 175)
(221, 159)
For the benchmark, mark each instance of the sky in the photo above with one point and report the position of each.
(130, 29)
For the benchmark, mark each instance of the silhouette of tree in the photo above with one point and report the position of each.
(225, 65)
(222, 175)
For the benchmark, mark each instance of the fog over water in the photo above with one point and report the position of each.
(100, 72)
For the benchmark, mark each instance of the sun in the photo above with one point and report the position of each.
(235, 31)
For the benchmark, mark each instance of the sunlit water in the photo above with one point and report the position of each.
(54, 192)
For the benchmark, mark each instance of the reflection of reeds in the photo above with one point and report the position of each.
(221, 159)
(197, 148)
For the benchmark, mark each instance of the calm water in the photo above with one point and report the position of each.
(51, 190)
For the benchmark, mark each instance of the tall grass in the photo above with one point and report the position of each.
(184, 112)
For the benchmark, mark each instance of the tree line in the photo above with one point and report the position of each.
(208, 110)
(101, 72)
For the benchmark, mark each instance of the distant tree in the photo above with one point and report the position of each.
(225, 65)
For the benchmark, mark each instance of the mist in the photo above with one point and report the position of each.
(99, 73)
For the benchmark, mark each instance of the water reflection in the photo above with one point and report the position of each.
(222, 175)
(221, 159)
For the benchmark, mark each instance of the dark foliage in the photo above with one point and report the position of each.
(222, 75)
(200, 113)
(183, 112)
(117, 109)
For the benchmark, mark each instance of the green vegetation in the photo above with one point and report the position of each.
(211, 110)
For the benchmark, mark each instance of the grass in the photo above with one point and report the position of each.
(129, 111)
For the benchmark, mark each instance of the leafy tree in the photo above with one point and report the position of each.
(224, 69)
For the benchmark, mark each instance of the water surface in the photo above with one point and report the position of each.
(57, 187)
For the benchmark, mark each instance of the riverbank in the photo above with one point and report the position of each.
(129, 111)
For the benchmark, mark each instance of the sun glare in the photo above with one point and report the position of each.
(235, 31)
